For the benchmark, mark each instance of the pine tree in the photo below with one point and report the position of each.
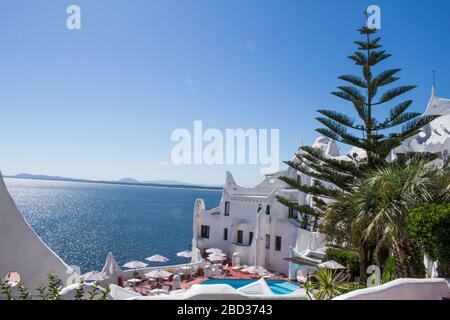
(367, 133)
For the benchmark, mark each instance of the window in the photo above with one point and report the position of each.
(250, 238)
(204, 232)
(299, 179)
(258, 210)
(240, 235)
(291, 213)
(278, 243)
(227, 208)
(268, 210)
(267, 241)
(225, 234)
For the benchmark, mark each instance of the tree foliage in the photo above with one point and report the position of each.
(327, 284)
(429, 226)
(52, 291)
(334, 179)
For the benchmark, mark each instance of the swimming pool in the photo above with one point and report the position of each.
(277, 286)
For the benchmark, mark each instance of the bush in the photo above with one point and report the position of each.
(429, 226)
(388, 270)
(345, 257)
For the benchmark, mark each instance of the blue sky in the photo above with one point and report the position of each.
(102, 102)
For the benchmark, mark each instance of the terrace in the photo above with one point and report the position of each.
(182, 278)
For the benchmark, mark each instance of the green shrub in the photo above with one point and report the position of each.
(53, 291)
(329, 284)
(345, 257)
(429, 226)
(388, 270)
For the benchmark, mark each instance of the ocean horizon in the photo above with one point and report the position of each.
(83, 221)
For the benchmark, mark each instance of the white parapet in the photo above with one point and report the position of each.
(403, 289)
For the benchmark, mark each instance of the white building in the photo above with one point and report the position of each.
(250, 222)
(435, 137)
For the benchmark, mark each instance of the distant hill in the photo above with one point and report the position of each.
(40, 177)
(128, 180)
(175, 182)
(124, 181)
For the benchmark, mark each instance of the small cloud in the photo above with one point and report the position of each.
(250, 45)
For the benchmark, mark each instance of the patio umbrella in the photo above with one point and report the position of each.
(94, 276)
(159, 273)
(157, 258)
(216, 257)
(185, 254)
(331, 264)
(213, 250)
(218, 254)
(135, 265)
(134, 281)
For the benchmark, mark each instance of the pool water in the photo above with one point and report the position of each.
(277, 286)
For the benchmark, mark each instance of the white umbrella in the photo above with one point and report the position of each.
(158, 274)
(255, 269)
(157, 258)
(331, 264)
(218, 254)
(94, 276)
(186, 268)
(216, 257)
(134, 281)
(185, 254)
(213, 250)
(134, 264)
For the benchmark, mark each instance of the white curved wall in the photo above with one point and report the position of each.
(21, 249)
(402, 289)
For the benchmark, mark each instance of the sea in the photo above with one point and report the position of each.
(82, 222)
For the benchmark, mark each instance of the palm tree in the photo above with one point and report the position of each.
(371, 217)
(328, 285)
(342, 228)
(382, 203)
